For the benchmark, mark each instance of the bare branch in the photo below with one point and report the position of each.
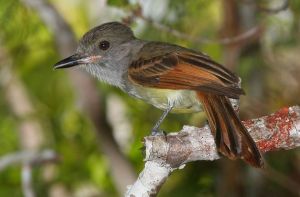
(249, 34)
(28, 157)
(267, 10)
(27, 186)
(164, 154)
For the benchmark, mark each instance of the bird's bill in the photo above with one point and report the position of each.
(75, 60)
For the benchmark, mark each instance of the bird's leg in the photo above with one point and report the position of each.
(155, 129)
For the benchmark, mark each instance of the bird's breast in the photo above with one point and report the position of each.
(184, 101)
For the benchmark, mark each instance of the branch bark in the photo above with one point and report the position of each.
(164, 154)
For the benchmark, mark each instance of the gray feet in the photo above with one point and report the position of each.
(158, 132)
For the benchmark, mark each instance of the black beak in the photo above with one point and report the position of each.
(71, 61)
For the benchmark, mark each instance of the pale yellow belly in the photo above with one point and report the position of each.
(184, 101)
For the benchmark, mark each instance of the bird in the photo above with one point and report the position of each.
(171, 78)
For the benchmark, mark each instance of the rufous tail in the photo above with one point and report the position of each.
(231, 136)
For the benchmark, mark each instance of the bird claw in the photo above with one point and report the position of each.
(157, 132)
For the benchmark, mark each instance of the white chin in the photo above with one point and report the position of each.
(94, 70)
(104, 74)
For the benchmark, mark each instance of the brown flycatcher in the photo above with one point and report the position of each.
(170, 77)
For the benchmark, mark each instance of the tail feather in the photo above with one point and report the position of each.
(231, 136)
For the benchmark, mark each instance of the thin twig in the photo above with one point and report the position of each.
(27, 186)
(247, 35)
(282, 7)
(244, 36)
(30, 157)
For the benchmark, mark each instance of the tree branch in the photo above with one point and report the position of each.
(28, 157)
(27, 180)
(243, 37)
(261, 8)
(164, 154)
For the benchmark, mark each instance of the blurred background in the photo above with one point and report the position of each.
(64, 134)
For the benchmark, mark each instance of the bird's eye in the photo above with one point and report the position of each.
(104, 45)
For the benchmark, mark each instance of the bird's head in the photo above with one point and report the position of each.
(101, 49)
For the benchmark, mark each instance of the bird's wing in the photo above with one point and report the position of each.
(172, 67)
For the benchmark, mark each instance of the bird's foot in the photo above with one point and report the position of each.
(158, 132)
